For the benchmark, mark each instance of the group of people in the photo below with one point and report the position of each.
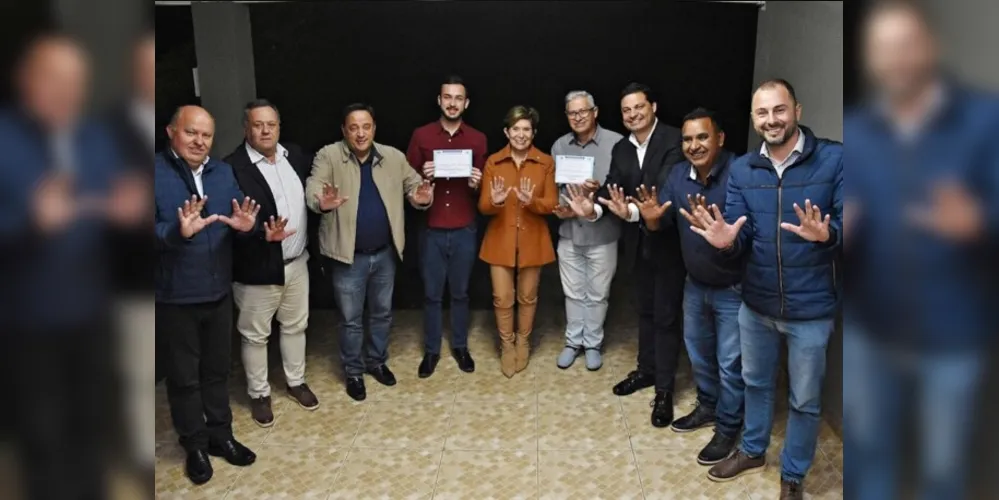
(734, 252)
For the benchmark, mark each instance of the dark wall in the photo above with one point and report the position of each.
(174, 59)
(313, 59)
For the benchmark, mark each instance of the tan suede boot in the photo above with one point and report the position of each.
(525, 322)
(508, 357)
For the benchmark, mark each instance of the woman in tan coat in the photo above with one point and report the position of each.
(518, 190)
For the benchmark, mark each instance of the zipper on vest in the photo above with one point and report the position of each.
(780, 262)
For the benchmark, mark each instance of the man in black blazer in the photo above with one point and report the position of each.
(644, 159)
(271, 274)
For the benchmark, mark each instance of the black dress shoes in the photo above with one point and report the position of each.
(662, 409)
(355, 388)
(636, 381)
(464, 359)
(198, 467)
(383, 375)
(428, 365)
(233, 452)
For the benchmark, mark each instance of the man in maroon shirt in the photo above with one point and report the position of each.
(448, 245)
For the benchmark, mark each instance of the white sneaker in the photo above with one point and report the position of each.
(567, 357)
(593, 359)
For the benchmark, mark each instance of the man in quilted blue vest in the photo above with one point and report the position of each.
(783, 214)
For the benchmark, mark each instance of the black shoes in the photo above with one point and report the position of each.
(701, 417)
(198, 467)
(355, 388)
(428, 365)
(636, 381)
(718, 449)
(464, 359)
(383, 375)
(662, 409)
(233, 452)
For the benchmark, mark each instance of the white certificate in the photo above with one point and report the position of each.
(452, 163)
(573, 169)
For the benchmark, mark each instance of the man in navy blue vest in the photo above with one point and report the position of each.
(783, 214)
(197, 216)
(712, 295)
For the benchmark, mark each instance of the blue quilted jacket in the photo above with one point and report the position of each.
(788, 277)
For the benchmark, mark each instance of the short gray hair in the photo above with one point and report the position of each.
(576, 94)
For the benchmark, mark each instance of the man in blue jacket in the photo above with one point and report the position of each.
(783, 214)
(197, 214)
(712, 294)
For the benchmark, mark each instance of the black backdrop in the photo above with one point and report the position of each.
(312, 59)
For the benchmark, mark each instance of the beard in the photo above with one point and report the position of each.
(789, 129)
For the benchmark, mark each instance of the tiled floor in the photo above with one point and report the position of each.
(546, 433)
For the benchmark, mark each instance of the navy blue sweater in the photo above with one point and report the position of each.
(704, 264)
(375, 231)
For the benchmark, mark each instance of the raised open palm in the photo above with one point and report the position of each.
(424, 193)
(648, 204)
(714, 229)
(579, 200)
(499, 191)
(618, 203)
(330, 198)
(276, 230)
(244, 217)
(813, 227)
(526, 191)
(190, 219)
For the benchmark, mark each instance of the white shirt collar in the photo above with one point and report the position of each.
(799, 147)
(256, 156)
(196, 171)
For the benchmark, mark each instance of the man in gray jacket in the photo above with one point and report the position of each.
(587, 251)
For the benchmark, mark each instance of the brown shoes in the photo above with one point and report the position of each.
(304, 397)
(735, 466)
(523, 350)
(791, 491)
(508, 357)
(260, 410)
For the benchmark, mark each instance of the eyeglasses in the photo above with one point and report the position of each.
(578, 114)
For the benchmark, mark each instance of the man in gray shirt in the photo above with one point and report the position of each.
(587, 251)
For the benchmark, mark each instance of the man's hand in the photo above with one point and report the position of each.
(55, 204)
(498, 191)
(649, 207)
(475, 179)
(580, 201)
(424, 194)
(526, 192)
(564, 211)
(955, 214)
(813, 227)
(330, 198)
(618, 203)
(428, 170)
(715, 230)
(591, 186)
(189, 216)
(275, 230)
(244, 217)
(693, 202)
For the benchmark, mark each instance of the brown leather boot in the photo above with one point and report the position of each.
(525, 322)
(508, 357)
(523, 351)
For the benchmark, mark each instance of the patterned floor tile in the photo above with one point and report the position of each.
(494, 426)
(486, 475)
(489, 385)
(581, 426)
(834, 453)
(172, 483)
(646, 437)
(331, 425)
(674, 474)
(438, 388)
(588, 474)
(417, 426)
(576, 384)
(395, 474)
(289, 473)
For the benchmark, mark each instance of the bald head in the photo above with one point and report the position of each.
(191, 132)
(900, 50)
(53, 80)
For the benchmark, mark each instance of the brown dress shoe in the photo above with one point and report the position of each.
(304, 397)
(791, 491)
(738, 464)
(260, 410)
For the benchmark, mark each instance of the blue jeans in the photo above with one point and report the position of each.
(879, 399)
(711, 332)
(370, 277)
(448, 256)
(806, 350)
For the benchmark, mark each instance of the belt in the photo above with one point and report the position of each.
(370, 251)
(293, 259)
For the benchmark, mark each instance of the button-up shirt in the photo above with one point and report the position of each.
(605, 230)
(198, 182)
(454, 201)
(781, 166)
(289, 196)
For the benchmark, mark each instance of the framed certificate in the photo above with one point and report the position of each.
(573, 169)
(452, 163)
